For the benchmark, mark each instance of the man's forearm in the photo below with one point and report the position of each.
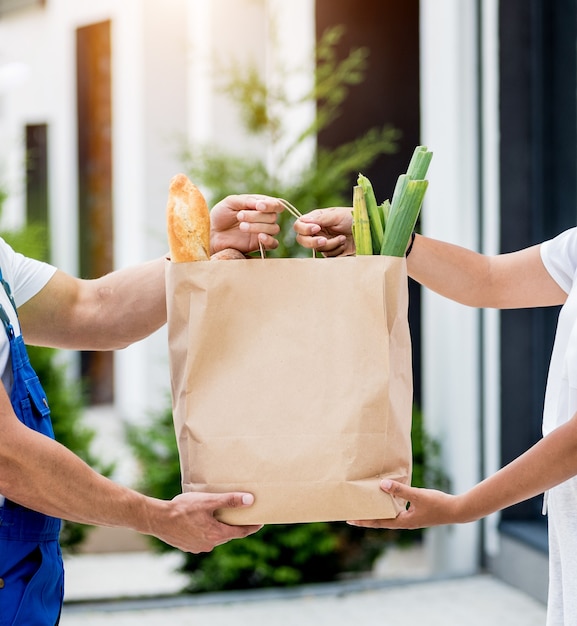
(41, 474)
(135, 300)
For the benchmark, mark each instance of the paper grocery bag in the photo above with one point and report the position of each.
(292, 380)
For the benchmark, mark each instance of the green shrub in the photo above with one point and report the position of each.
(278, 555)
(328, 179)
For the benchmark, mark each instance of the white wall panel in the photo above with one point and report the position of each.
(451, 372)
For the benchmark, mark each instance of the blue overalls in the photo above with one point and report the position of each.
(31, 570)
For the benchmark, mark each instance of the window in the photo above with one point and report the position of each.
(390, 30)
(37, 175)
(538, 124)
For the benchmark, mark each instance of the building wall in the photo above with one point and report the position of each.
(452, 212)
(147, 75)
(168, 62)
(167, 69)
(462, 378)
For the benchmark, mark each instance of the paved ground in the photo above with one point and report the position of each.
(473, 601)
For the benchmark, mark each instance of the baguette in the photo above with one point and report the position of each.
(188, 222)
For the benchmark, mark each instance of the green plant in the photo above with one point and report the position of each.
(427, 463)
(327, 179)
(3, 195)
(154, 446)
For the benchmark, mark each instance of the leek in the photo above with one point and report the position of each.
(391, 223)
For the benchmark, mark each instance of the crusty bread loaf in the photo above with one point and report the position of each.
(188, 222)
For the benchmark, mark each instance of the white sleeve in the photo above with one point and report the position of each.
(25, 276)
(559, 256)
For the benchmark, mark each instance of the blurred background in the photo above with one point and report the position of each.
(102, 102)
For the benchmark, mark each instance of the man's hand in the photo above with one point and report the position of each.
(327, 230)
(427, 507)
(187, 521)
(242, 221)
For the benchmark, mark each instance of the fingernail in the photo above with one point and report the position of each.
(247, 498)
(386, 485)
(260, 206)
(240, 216)
(321, 241)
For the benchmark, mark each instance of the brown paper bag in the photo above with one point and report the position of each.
(291, 379)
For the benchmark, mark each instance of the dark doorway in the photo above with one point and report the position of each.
(390, 94)
(538, 115)
(94, 101)
(37, 197)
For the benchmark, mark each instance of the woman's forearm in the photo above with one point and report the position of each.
(449, 270)
(548, 463)
(504, 281)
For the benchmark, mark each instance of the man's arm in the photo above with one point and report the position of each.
(114, 311)
(107, 313)
(39, 473)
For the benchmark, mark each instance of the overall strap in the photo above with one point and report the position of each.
(8, 291)
(4, 317)
(6, 323)
(27, 396)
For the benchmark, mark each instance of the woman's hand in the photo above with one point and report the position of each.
(327, 230)
(427, 507)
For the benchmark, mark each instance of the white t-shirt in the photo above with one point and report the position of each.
(26, 277)
(559, 256)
